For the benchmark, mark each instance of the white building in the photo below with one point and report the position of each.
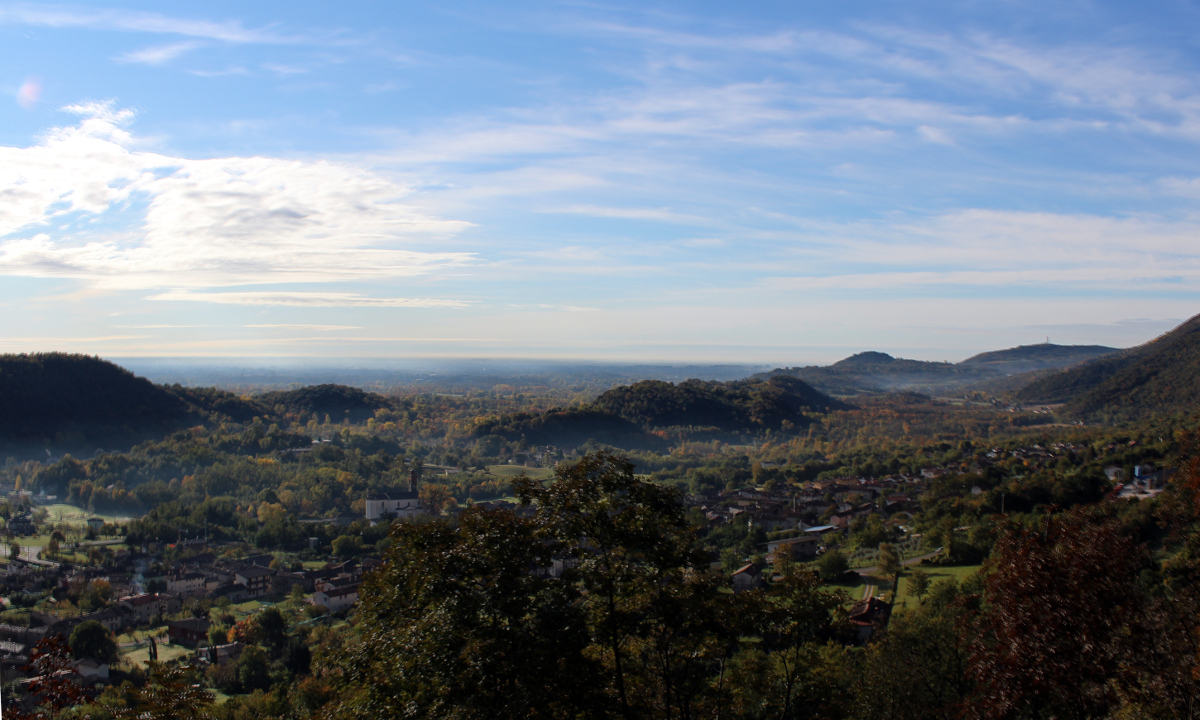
(186, 583)
(392, 505)
(337, 599)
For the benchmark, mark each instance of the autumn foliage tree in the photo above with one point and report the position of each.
(1061, 601)
(168, 694)
(52, 687)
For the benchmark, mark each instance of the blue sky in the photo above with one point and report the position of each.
(770, 183)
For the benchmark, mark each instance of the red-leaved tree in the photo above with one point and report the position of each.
(1062, 596)
(52, 686)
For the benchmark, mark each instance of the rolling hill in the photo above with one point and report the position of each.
(77, 402)
(337, 401)
(1025, 358)
(1161, 375)
(630, 416)
(876, 372)
(57, 397)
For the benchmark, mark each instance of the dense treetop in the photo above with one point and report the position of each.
(337, 401)
(55, 394)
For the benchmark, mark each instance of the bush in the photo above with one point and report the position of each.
(831, 565)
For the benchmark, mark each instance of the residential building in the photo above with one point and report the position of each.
(747, 577)
(337, 599)
(144, 607)
(803, 547)
(256, 578)
(222, 654)
(190, 632)
(114, 619)
(186, 583)
(867, 616)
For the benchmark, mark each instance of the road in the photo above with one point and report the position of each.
(29, 554)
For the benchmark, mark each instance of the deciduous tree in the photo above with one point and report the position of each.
(1060, 600)
(92, 640)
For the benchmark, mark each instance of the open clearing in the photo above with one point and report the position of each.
(71, 515)
(508, 471)
(166, 652)
(958, 572)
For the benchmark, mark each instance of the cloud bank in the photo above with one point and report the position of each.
(207, 223)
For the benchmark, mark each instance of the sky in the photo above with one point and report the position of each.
(772, 182)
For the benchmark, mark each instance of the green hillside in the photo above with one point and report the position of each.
(62, 398)
(568, 428)
(744, 405)
(1162, 375)
(628, 416)
(222, 404)
(77, 402)
(337, 401)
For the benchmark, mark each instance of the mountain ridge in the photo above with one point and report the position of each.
(877, 372)
(1160, 374)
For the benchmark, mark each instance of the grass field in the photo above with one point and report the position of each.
(243, 610)
(854, 587)
(38, 541)
(71, 515)
(141, 655)
(508, 471)
(958, 572)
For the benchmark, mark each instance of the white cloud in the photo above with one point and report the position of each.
(158, 54)
(627, 213)
(1002, 249)
(207, 223)
(59, 16)
(934, 135)
(305, 326)
(285, 70)
(232, 70)
(304, 299)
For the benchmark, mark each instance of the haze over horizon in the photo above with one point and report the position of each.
(663, 182)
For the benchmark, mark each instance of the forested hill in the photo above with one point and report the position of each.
(77, 402)
(631, 415)
(1162, 375)
(877, 372)
(56, 397)
(337, 401)
(734, 406)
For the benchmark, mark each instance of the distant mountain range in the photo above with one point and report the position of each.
(876, 372)
(1161, 375)
(81, 402)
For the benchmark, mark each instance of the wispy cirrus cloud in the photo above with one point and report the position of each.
(304, 299)
(64, 16)
(158, 54)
